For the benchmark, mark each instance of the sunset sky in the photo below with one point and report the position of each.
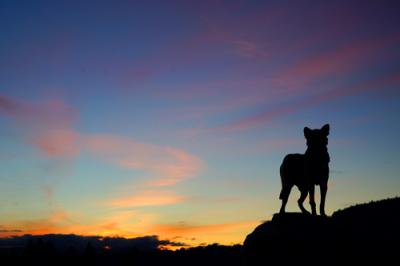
(171, 118)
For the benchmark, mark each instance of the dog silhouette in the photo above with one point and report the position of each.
(307, 170)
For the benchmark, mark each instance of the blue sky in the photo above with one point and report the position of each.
(172, 118)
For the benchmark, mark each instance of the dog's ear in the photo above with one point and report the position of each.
(325, 129)
(307, 132)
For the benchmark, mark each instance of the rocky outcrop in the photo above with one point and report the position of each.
(368, 233)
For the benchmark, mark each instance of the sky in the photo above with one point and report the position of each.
(171, 118)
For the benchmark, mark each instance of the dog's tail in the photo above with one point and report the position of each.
(282, 175)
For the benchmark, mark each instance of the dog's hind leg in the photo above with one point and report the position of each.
(284, 196)
(303, 196)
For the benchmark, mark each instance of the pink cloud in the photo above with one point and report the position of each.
(295, 81)
(49, 113)
(57, 142)
(260, 118)
(167, 165)
(8, 106)
(223, 96)
(284, 110)
(48, 125)
(223, 30)
(338, 62)
(248, 49)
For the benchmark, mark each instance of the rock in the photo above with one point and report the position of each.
(367, 233)
(288, 238)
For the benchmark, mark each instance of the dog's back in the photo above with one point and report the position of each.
(292, 171)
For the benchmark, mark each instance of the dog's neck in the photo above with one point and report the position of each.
(321, 154)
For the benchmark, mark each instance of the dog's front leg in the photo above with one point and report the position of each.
(324, 189)
(312, 200)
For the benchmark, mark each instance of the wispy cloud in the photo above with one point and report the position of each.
(57, 142)
(49, 127)
(296, 79)
(166, 165)
(248, 49)
(113, 222)
(64, 222)
(283, 110)
(46, 125)
(339, 62)
(147, 198)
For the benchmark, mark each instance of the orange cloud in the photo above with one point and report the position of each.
(224, 233)
(126, 223)
(184, 229)
(57, 221)
(147, 198)
(117, 224)
(63, 222)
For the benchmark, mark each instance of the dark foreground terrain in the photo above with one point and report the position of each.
(367, 233)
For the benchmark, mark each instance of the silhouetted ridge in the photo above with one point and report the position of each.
(365, 233)
(381, 208)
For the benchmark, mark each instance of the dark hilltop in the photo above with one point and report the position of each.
(365, 233)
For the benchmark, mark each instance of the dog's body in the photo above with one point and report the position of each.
(307, 170)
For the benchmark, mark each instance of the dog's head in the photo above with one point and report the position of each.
(317, 139)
